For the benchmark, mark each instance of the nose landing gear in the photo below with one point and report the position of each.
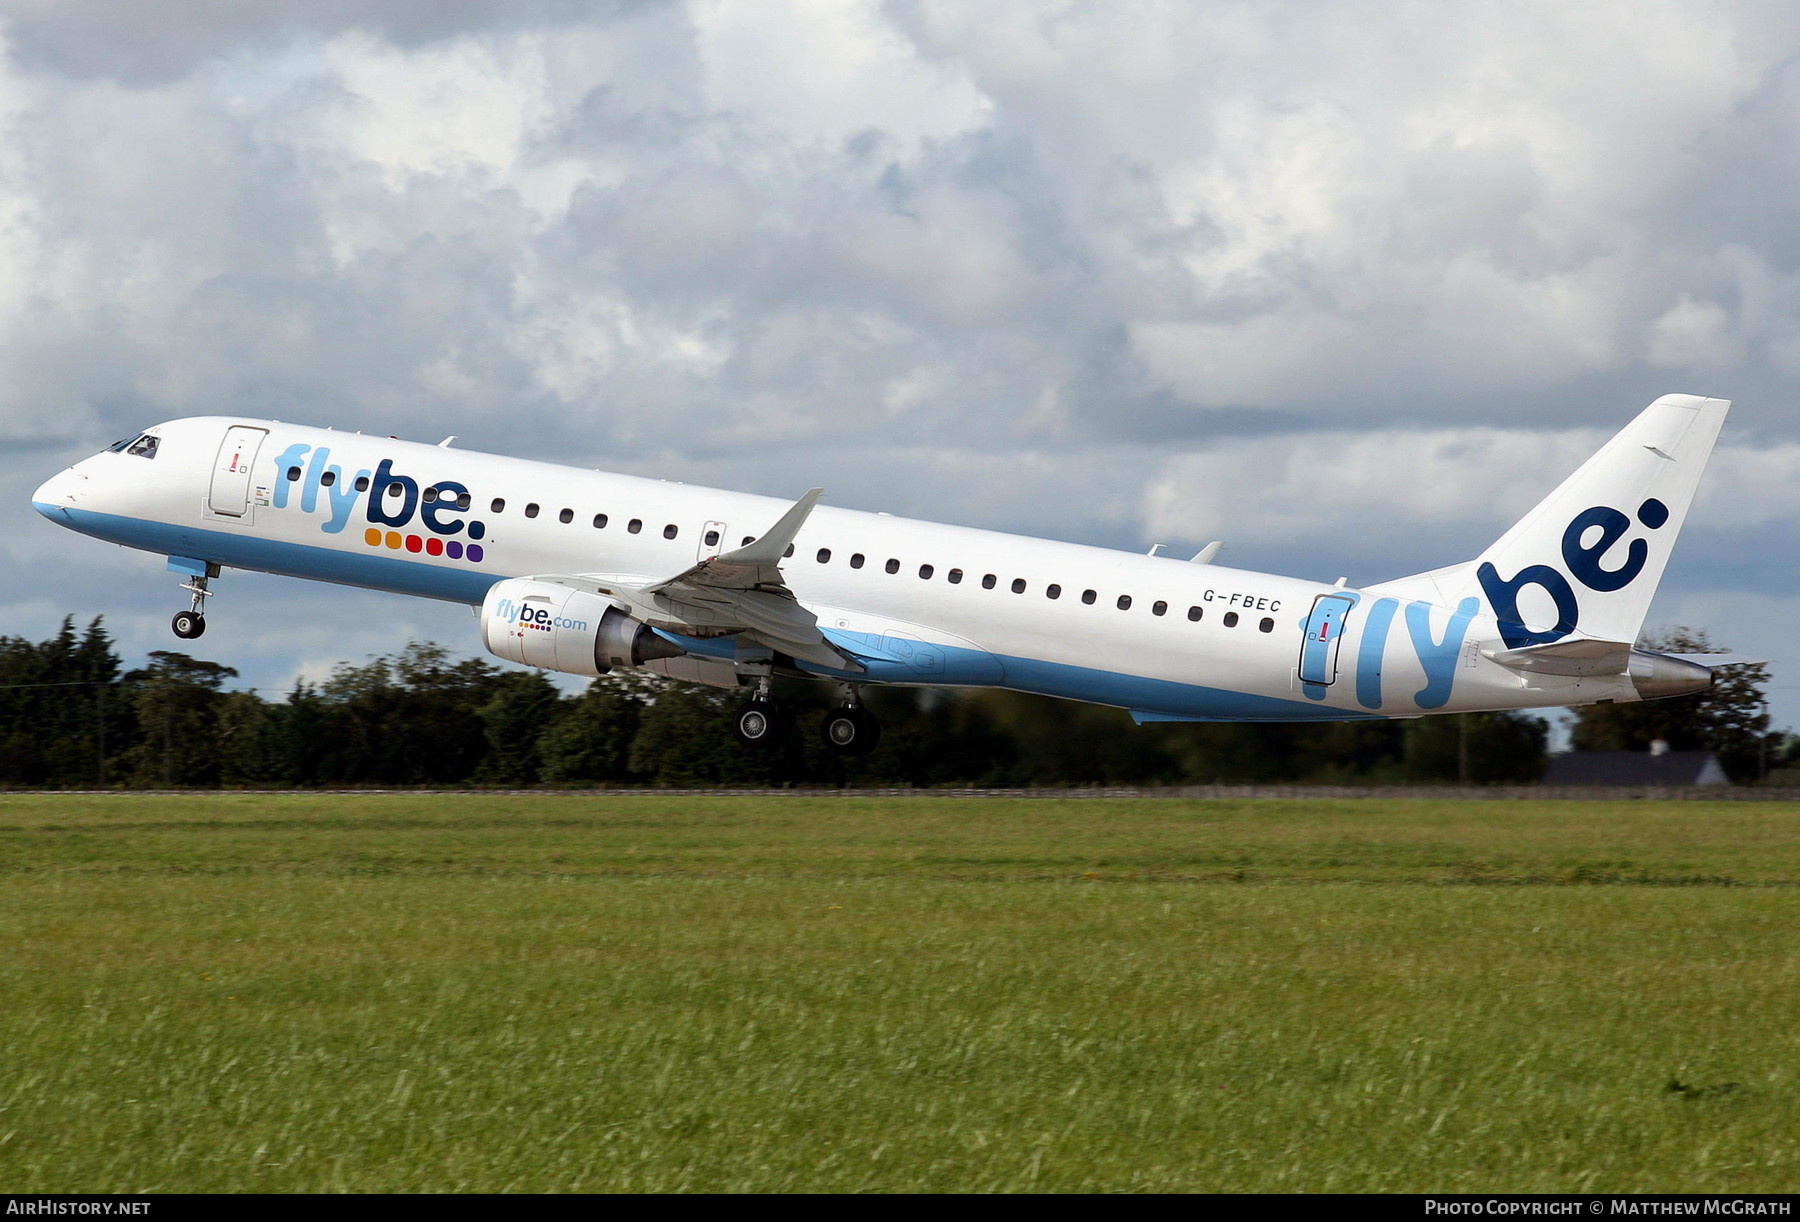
(191, 623)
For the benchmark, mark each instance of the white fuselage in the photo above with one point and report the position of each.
(922, 602)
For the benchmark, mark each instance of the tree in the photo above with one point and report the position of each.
(1481, 748)
(59, 714)
(591, 740)
(412, 719)
(177, 699)
(524, 706)
(1731, 719)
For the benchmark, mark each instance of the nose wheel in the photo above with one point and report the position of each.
(188, 624)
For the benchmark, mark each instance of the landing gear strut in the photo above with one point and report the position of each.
(192, 622)
(850, 729)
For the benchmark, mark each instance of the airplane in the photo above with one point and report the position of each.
(584, 572)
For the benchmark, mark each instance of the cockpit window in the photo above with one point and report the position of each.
(144, 446)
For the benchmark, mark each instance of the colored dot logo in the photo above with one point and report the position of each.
(431, 545)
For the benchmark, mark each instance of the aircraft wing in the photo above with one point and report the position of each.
(738, 593)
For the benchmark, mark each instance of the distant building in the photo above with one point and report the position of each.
(1657, 766)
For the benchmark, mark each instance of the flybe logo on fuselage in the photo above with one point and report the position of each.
(306, 477)
(1582, 557)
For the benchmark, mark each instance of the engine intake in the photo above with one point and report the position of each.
(542, 624)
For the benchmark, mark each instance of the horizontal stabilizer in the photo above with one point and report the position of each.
(1577, 657)
(1713, 661)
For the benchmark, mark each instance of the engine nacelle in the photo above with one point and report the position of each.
(540, 623)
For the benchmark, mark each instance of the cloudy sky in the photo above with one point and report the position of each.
(1348, 286)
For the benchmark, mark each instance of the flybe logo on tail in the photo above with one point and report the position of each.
(1590, 535)
(388, 502)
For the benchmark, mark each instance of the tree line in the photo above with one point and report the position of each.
(72, 717)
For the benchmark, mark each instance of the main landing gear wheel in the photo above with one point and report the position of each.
(850, 730)
(188, 624)
(754, 723)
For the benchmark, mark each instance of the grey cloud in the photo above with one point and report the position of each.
(147, 44)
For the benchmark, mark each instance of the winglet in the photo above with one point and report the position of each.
(770, 548)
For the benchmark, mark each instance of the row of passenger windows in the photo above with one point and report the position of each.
(566, 516)
(1052, 591)
(857, 559)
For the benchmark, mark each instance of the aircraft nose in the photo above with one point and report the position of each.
(57, 494)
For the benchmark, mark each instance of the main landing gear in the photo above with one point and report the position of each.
(192, 622)
(754, 722)
(848, 729)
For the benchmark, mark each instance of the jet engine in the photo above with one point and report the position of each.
(543, 624)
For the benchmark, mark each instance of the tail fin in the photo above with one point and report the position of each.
(1587, 560)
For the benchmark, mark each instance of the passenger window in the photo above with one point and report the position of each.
(362, 485)
(600, 521)
(790, 551)
(824, 555)
(1052, 591)
(531, 510)
(893, 566)
(712, 538)
(1124, 602)
(328, 479)
(1018, 586)
(1267, 625)
(1088, 597)
(925, 572)
(1231, 619)
(429, 495)
(671, 530)
(462, 500)
(635, 525)
(954, 577)
(856, 561)
(987, 581)
(293, 475)
(497, 505)
(396, 490)
(1159, 607)
(566, 516)
(1194, 614)
(748, 540)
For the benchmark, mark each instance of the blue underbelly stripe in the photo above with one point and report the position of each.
(418, 577)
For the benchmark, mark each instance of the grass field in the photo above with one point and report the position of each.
(408, 992)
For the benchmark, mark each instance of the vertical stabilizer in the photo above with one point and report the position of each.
(1587, 560)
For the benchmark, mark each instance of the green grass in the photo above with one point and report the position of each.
(402, 993)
